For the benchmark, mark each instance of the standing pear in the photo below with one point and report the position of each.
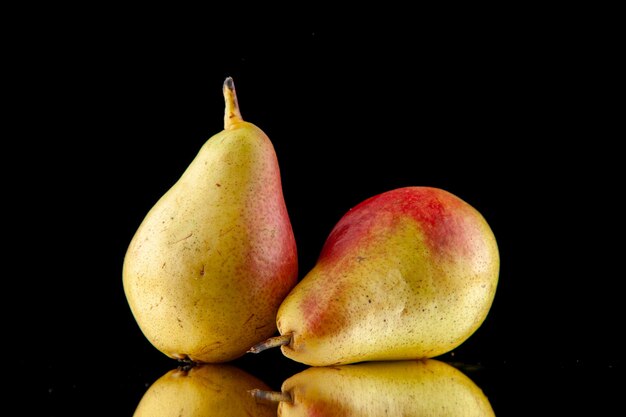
(214, 258)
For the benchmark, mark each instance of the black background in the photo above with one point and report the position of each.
(515, 118)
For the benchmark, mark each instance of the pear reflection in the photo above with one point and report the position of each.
(204, 390)
(406, 388)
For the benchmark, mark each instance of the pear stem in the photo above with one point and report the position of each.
(272, 342)
(232, 115)
(270, 396)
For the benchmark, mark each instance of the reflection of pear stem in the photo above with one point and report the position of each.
(272, 342)
(231, 113)
(270, 396)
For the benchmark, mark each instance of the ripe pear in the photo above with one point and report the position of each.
(403, 388)
(407, 274)
(204, 390)
(214, 258)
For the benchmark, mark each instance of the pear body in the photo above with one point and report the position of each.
(403, 388)
(410, 273)
(213, 259)
(204, 391)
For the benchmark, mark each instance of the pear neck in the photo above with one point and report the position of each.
(232, 115)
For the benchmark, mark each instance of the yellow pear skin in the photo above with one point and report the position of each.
(204, 391)
(380, 389)
(407, 274)
(214, 258)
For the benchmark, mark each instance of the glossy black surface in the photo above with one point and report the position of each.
(536, 386)
(513, 121)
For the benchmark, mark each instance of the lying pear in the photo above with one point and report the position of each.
(214, 258)
(204, 390)
(407, 274)
(377, 389)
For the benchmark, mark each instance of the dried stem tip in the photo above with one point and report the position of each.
(272, 342)
(232, 114)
